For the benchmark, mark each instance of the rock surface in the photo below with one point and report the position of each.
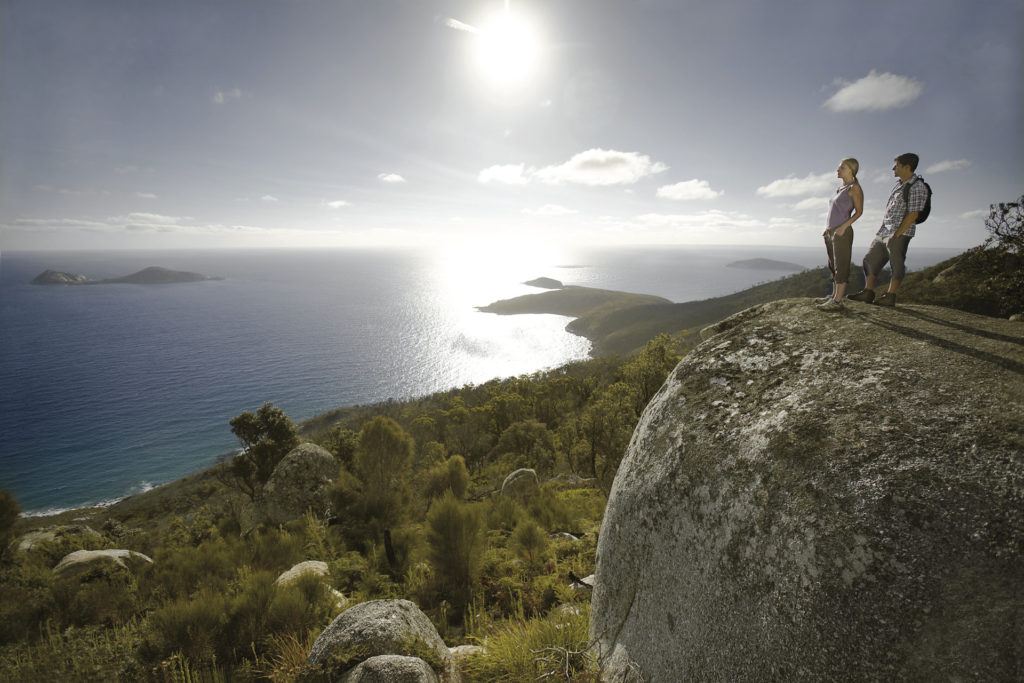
(391, 669)
(380, 627)
(56, 277)
(299, 482)
(83, 561)
(316, 568)
(521, 484)
(817, 496)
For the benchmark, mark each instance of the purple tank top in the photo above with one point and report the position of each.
(840, 208)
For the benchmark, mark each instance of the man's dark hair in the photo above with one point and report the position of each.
(909, 159)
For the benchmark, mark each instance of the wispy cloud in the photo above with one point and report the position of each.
(705, 219)
(145, 195)
(269, 198)
(875, 92)
(792, 186)
(601, 167)
(811, 203)
(392, 178)
(592, 167)
(508, 174)
(222, 96)
(689, 189)
(976, 214)
(550, 210)
(337, 204)
(943, 166)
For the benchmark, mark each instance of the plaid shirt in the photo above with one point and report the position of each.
(895, 209)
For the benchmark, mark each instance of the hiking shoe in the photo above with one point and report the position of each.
(887, 299)
(823, 300)
(831, 305)
(865, 295)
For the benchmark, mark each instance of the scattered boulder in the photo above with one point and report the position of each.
(84, 561)
(299, 482)
(462, 651)
(33, 539)
(316, 568)
(815, 496)
(571, 480)
(521, 484)
(391, 669)
(380, 627)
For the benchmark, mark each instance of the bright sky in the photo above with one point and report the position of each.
(265, 123)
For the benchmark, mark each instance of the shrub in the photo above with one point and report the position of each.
(521, 650)
(454, 542)
(529, 541)
(450, 475)
(195, 627)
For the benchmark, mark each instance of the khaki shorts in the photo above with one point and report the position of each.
(879, 254)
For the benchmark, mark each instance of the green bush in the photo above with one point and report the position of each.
(556, 647)
(195, 627)
(454, 542)
(529, 542)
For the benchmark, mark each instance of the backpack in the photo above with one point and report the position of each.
(922, 215)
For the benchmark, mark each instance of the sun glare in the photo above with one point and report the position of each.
(507, 50)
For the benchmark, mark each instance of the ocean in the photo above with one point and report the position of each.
(108, 390)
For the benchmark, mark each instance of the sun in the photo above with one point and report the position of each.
(507, 50)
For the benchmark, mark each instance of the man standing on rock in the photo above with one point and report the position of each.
(898, 227)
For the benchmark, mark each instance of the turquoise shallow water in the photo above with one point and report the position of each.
(108, 390)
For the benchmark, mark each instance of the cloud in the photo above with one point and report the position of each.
(705, 219)
(550, 210)
(145, 195)
(810, 203)
(689, 189)
(393, 178)
(337, 204)
(269, 198)
(942, 166)
(977, 213)
(794, 187)
(601, 167)
(509, 174)
(222, 96)
(875, 92)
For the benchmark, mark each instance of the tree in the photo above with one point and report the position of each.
(531, 445)
(381, 460)
(266, 436)
(1005, 223)
(454, 542)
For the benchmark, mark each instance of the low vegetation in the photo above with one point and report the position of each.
(417, 513)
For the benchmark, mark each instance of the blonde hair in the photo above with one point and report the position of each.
(852, 164)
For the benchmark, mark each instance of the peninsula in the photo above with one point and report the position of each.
(154, 275)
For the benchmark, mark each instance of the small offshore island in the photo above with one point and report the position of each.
(765, 264)
(154, 275)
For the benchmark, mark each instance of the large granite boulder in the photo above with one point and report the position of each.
(82, 562)
(379, 627)
(299, 482)
(816, 496)
(521, 484)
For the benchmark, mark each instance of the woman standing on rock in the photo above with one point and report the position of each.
(844, 209)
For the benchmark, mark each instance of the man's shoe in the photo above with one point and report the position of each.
(831, 305)
(887, 299)
(823, 300)
(865, 295)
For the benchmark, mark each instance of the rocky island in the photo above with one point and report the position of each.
(765, 264)
(154, 275)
